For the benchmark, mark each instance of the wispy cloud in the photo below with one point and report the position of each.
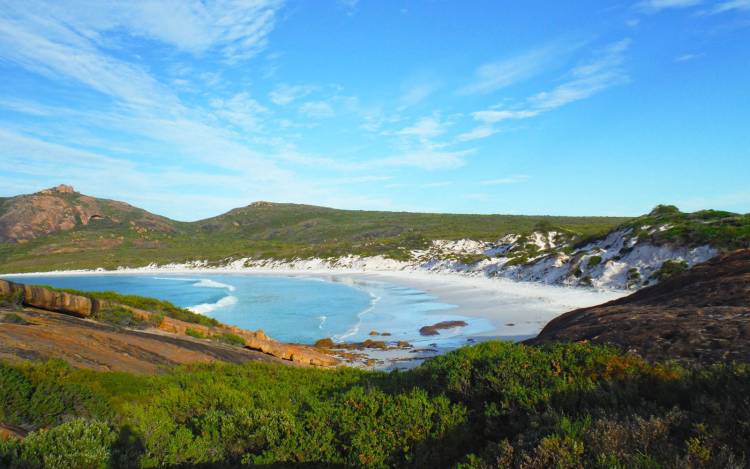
(515, 179)
(425, 128)
(583, 81)
(493, 116)
(654, 6)
(496, 75)
(731, 5)
(237, 29)
(477, 133)
(240, 110)
(317, 109)
(284, 94)
(587, 80)
(416, 93)
(687, 57)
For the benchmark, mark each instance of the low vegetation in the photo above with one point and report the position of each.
(670, 268)
(13, 318)
(724, 230)
(491, 405)
(123, 317)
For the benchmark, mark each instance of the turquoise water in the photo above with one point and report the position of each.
(291, 309)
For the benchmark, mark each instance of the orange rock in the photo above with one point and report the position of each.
(44, 298)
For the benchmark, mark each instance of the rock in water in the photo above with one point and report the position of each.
(435, 328)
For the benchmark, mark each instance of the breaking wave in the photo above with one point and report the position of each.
(205, 308)
(374, 299)
(206, 283)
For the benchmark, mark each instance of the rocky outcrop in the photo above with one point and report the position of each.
(702, 315)
(50, 300)
(98, 346)
(255, 340)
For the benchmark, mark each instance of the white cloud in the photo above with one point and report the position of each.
(237, 29)
(502, 73)
(317, 109)
(515, 179)
(731, 5)
(482, 131)
(285, 94)
(653, 6)
(415, 94)
(425, 128)
(687, 57)
(240, 110)
(493, 116)
(587, 80)
(583, 81)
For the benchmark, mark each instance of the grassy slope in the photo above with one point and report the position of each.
(273, 231)
(491, 405)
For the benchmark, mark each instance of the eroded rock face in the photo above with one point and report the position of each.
(50, 300)
(702, 315)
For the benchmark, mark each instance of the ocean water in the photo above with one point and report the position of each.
(292, 309)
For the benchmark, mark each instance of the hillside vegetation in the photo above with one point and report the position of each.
(491, 405)
(725, 230)
(118, 234)
(68, 230)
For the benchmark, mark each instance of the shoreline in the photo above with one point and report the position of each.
(515, 308)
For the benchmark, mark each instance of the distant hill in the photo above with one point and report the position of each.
(27, 217)
(59, 228)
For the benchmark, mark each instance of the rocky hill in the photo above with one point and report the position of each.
(27, 217)
(701, 315)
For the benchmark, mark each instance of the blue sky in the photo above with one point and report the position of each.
(190, 108)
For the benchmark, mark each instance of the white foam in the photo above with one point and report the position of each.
(179, 279)
(205, 308)
(322, 321)
(206, 283)
(374, 299)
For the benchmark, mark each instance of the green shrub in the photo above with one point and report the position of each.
(230, 339)
(594, 261)
(9, 449)
(495, 404)
(195, 333)
(469, 259)
(74, 444)
(123, 317)
(669, 269)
